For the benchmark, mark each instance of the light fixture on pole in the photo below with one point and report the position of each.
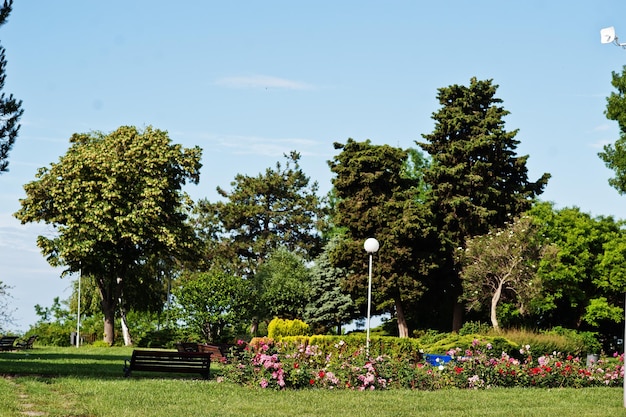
(607, 35)
(371, 246)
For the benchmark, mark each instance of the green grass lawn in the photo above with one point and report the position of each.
(88, 382)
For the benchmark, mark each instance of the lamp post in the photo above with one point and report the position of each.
(80, 275)
(607, 35)
(371, 246)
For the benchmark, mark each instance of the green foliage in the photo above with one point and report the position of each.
(501, 266)
(614, 155)
(279, 328)
(213, 303)
(117, 205)
(11, 108)
(329, 306)
(52, 334)
(277, 209)
(399, 348)
(467, 341)
(377, 198)
(164, 338)
(473, 327)
(482, 364)
(582, 342)
(283, 285)
(585, 281)
(476, 180)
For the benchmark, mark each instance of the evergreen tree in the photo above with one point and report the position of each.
(376, 199)
(279, 208)
(10, 108)
(614, 155)
(330, 306)
(476, 180)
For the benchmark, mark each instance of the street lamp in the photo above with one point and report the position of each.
(371, 246)
(607, 35)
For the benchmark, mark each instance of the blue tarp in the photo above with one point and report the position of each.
(436, 360)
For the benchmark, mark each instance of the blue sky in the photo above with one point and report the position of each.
(248, 81)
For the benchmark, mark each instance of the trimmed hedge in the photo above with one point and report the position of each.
(394, 347)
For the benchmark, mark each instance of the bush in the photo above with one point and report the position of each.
(453, 341)
(166, 338)
(285, 365)
(280, 328)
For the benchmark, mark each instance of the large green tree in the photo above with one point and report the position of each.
(215, 304)
(117, 205)
(375, 198)
(10, 108)
(279, 208)
(584, 283)
(614, 155)
(283, 285)
(476, 180)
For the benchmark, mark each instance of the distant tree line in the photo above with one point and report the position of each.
(462, 234)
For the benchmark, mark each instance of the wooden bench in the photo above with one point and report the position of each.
(219, 351)
(8, 342)
(169, 361)
(27, 344)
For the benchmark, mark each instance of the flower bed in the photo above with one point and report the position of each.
(297, 366)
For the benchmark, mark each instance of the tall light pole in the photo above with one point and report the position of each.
(607, 35)
(80, 275)
(371, 246)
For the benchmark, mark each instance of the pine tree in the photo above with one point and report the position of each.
(477, 182)
(10, 108)
(376, 198)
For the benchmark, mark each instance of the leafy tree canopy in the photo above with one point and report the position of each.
(279, 208)
(117, 205)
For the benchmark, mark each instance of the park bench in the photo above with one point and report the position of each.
(8, 342)
(168, 361)
(219, 351)
(27, 344)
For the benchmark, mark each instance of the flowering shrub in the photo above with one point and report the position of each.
(282, 365)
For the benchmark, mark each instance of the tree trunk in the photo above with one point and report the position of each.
(128, 341)
(495, 299)
(403, 329)
(457, 316)
(108, 309)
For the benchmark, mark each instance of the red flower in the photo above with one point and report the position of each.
(295, 365)
(311, 381)
(321, 374)
(458, 369)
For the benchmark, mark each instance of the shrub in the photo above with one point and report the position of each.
(166, 338)
(280, 328)
(453, 341)
(284, 365)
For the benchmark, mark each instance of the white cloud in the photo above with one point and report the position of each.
(600, 144)
(602, 128)
(262, 81)
(248, 145)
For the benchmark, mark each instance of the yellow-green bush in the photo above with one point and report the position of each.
(395, 347)
(279, 328)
